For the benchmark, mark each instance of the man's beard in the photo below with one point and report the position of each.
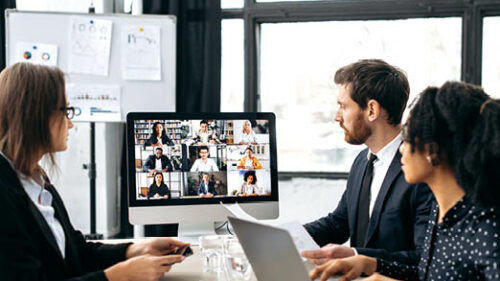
(360, 132)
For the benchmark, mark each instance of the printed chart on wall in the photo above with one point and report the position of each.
(95, 103)
(141, 52)
(44, 54)
(89, 46)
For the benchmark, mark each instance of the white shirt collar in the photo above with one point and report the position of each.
(386, 154)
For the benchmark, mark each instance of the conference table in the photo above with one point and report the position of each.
(191, 268)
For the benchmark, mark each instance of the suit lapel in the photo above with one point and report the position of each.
(393, 171)
(356, 179)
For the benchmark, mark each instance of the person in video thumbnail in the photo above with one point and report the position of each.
(158, 162)
(206, 189)
(158, 136)
(249, 187)
(248, 136)
(204, 164)
(249, 161)
(203, 136)
(158, 189)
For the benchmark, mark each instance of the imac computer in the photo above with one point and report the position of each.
(182, 165)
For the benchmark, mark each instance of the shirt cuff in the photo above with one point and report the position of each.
(355, 251)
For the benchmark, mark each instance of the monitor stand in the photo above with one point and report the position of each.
(191, 231)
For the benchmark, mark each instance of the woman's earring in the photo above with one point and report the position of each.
(429, 159)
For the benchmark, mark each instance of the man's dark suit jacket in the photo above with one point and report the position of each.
(211, 188)
(151, 163)
(28, 249)
(398, 221)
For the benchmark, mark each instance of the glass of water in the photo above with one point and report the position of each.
(236, 263)
(211, 253)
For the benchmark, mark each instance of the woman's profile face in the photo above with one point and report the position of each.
(415, 165)
(59, 130)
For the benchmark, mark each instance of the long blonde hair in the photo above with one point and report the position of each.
(29, 95)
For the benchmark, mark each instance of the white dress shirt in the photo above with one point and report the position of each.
(158, 165)
(381, 166)
(199, 166)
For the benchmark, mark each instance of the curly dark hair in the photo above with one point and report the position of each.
(460, 123)
(375, 79)
(250, 173)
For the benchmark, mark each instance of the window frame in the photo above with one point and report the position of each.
(254, 14)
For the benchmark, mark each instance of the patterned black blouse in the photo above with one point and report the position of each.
(464, 246)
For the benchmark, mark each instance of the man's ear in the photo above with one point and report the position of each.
(373, 110)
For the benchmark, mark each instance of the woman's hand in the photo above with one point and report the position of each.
(347, 268)
(142, 268)
(156, 247)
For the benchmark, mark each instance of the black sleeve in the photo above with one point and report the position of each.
(149, 163)
(397, 270)
(334, 228)
(167, 164)
(150, 141)
(212, 188)
(151, 191)
(166, 140)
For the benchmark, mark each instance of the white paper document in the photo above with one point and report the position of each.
(92, 102)
(89, 46)
(141, 56)
(303, 241)
(44, 54)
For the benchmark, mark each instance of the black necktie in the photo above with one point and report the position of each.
(364, 204)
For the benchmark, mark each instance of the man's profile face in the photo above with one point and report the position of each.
(351, 118)
(203, 154)
(159, 153)
(203, 127)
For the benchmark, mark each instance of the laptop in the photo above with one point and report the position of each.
(271, 252)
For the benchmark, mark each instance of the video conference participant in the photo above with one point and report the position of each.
(158, 162)
(158, 136)
(451, 143)
(204, 164)
(38, 241)
(249, 186)
(247, 136)
(382, 214)
(203, 136)
(249, 161)
(158, 189)
(206, 189)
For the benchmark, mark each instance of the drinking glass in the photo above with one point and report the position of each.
(211, 253)
(236, 263)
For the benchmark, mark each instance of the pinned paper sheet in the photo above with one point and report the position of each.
(89, 46)
(97, 103)
(141, 56)
(303, 241)
(44, 54)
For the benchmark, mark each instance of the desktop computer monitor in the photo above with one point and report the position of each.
(182, 165)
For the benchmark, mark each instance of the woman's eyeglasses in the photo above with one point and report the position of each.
(70, 111)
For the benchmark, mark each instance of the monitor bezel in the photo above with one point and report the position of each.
(130, 141)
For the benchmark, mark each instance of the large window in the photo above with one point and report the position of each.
(491, 57)
(298, 61)
(232, 66)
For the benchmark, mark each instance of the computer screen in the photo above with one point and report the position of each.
(195, 161)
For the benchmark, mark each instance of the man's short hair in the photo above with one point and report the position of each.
(375, 79)
(159, 148)
(203, 147)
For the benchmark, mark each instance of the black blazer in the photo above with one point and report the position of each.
(153, 140)
(397, 224)
(162, 190)
(28, 248)
(151, 163)
(211, 188)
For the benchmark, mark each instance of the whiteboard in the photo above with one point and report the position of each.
(136, 95)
